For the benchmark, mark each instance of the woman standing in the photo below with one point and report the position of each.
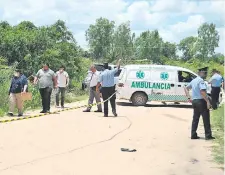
(18, 85)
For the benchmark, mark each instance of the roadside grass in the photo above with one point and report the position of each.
(70, 98)
(218, 127)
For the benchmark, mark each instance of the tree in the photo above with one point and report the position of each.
(188, 47)
(208, 40)
(100, 37)
(169, 50)
(149, 46)
(123, 42)
(30, 46)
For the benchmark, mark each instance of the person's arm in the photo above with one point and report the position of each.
(36, 77)
(186, 90)
(210, 80)
(203, 88)
(118, 67)
(67, 79)
(25, 83)
(54, 79)
(99, 82)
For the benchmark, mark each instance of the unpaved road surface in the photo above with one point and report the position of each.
(77, 143)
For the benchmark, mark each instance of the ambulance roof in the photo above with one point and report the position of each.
(147, 66)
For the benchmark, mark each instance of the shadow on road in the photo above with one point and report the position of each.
(156, 105)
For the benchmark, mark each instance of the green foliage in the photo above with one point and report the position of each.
(195, 64)
(108, 42)
(100, 37)
(208, 40)
(218, 130)
(5, 75)
(188, 47)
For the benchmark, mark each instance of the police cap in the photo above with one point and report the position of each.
(204, 69)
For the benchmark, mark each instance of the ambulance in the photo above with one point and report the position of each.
(142, 83)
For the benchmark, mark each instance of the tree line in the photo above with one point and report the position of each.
(106, 40)
(29, 46)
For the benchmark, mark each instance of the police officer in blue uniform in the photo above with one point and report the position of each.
(216, 82)
(200, 103)
(106, 80)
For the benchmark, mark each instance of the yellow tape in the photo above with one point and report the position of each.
(67, 109)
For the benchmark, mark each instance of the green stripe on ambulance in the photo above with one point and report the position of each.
(150, 85)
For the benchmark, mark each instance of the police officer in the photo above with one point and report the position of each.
(106, 80)
(200, 103)
(216, 82)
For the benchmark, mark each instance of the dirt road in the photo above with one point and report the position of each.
(77, 143)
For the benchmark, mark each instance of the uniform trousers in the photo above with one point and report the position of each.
(200, 108)
(106, 93)
(215, 97)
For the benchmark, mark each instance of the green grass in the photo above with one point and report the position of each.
(217, 119)
(73, 97)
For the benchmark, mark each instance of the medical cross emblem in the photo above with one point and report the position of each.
(164, 76)
(140, 74)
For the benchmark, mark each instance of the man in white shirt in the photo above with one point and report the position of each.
(63, 81)
(93, 93)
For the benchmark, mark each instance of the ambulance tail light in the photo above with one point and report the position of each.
(120, 85)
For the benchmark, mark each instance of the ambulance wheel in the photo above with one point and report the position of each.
(139, 99)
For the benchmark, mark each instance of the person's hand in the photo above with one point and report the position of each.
(189, 100)
(208, 105)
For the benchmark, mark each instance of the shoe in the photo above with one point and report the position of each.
(86, 110)
(195, 137)
(48, 111)
(10, 114)
(98, 111)
(20, 115)
(114, 113)
(43, 111)
(62, 107)
(210, 138)
(57, 106)
(105, 115)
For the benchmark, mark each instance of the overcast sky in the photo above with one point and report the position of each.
(175, 19)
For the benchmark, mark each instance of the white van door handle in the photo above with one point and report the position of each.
(179, 85)
(172, 85)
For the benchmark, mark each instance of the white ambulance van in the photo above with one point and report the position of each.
(142, 83)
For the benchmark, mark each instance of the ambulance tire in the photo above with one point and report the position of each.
(139, 99)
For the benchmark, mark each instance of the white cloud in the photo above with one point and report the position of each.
(190, 26)
(139, 14)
